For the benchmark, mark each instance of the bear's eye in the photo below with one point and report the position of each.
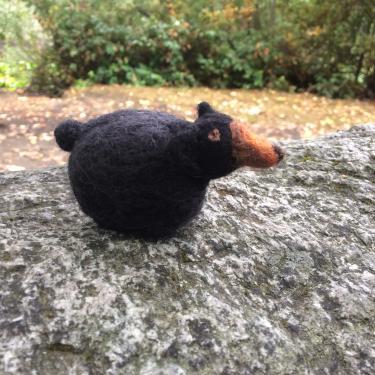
(214, 135)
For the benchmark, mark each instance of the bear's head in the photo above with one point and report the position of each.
(226, 144)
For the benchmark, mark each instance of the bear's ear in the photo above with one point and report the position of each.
(204, 108)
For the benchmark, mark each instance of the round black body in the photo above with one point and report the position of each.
(130, 172)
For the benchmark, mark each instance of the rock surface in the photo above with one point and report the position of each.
(276, 276)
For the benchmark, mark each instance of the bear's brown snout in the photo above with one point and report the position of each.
(252, 150)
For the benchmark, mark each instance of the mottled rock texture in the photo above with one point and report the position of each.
(276, 276)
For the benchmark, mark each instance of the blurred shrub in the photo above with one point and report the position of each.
(21, 42)
(16, 74)
(50, 77)
(326, 47)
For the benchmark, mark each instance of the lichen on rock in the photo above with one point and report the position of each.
(276, 275)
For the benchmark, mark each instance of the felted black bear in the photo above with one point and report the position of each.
(146, 173)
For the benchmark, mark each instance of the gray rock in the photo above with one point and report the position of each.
(276, 276)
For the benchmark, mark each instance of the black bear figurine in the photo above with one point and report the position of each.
(145, 173)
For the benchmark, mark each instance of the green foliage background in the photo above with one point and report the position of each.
(327, 47)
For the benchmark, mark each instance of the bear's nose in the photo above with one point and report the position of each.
(279, 151)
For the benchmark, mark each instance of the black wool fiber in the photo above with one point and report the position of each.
(67, 133)
(142, 172)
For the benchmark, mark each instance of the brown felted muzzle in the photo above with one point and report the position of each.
(252, 150)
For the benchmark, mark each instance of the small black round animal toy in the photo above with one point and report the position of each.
(145, 173)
